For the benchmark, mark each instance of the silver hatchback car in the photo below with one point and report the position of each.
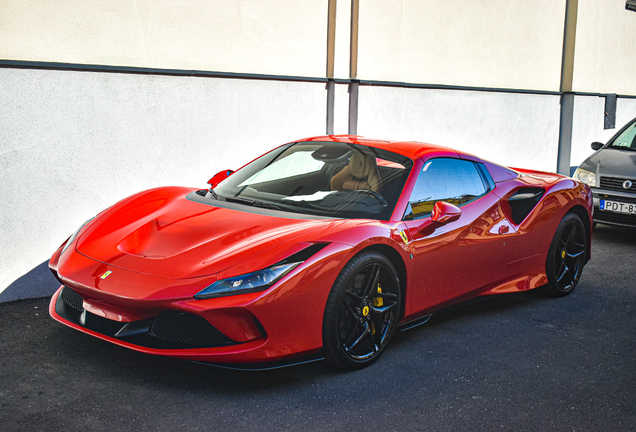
(611, 173)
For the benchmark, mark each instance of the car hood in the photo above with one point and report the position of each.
(162, 233)
(612, 162)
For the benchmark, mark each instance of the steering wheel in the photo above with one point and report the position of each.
(374, 194)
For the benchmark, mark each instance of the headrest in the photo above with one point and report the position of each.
(358, 165)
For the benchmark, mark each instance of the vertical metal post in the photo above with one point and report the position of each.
(353, 108)
(610, 112)
(353, 69)
(331, 49)
(331, 105)
(565, 133)
(567, 95)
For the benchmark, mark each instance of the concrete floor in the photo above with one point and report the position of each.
(521, 362)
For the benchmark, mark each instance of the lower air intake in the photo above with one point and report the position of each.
(72, 299)
(187, 329)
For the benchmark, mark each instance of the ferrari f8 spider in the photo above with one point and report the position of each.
(321, 248)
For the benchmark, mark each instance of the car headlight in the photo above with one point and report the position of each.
(72, 237)
(585, 176)
(247, 283)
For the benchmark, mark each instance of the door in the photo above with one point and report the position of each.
(455, 259)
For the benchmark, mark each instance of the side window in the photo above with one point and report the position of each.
(455, 181)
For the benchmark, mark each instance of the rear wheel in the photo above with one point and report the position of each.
(566, 256)
(362, 311)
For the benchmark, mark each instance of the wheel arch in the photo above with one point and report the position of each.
(580, 211)
(397, 261)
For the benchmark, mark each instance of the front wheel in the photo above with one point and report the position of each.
(566, 256)
(362, 311)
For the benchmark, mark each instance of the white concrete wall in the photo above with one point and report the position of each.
(605, 54)
(279, 37)
(511, 129)
(589, 121)
(341, 109)
(485, 43)
(74, 143)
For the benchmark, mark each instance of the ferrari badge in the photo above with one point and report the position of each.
(405, 238)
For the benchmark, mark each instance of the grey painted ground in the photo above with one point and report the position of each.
(520, 362)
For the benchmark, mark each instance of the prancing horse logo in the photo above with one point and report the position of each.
(105, 275)
(405, 238)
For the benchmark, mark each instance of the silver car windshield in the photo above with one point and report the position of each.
(627, 139)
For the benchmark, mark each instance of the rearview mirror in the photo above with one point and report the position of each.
(219, 177)
(597, 145)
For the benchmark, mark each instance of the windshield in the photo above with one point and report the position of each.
(627, 139)
(322, 179)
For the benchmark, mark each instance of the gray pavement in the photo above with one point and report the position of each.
(520, 362)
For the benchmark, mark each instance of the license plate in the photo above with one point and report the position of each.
(618, 207)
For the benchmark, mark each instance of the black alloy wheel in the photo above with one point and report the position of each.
(362, 311)
(566, 256)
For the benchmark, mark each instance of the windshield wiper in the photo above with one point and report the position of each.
(254, 203)
(617, 147)
(214, 195)
(267, 205)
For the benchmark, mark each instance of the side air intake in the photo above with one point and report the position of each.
(523, 201)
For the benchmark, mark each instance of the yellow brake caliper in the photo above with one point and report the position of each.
(377, 302)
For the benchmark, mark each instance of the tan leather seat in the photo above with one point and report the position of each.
(361, 173)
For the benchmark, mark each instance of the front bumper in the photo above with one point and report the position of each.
(147, 336)
(142, 335)
(281, 324)
(610, 217)
(166, 330)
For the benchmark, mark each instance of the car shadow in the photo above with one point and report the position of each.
(118, 363)
(474, 308)
(614, 234)
(38, 282)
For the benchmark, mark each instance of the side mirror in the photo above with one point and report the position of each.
(219, 177)
(444, 212)
(597, 145)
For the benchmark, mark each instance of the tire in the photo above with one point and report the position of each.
(362, 311)
(566, 256)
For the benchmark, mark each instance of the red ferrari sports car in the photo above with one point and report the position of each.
(320, 248)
